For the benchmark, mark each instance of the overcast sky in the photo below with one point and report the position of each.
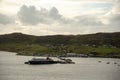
(52, 17)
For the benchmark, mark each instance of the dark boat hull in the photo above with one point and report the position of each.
(35, 61)
(42, 62)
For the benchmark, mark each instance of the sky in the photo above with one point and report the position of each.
(59, 17)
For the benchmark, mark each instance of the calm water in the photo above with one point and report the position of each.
(12, 67)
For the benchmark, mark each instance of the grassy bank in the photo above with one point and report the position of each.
(98, 51)
(35, 49)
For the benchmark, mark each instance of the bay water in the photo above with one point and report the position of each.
(12, 67)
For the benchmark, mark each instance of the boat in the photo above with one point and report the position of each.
(49, 61)
(41, 61)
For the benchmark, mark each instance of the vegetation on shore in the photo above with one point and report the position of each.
(96, 45)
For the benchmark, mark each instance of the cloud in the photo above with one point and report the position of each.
(116, 8)
(50, 21)
(88, 0)
(114, 19)
(4, 19)
(29, 15)
(57, 23)
(113, 16)
(54, 13)
(88, 20)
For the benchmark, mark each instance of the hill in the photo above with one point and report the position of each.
(17, 42)
(90, 39)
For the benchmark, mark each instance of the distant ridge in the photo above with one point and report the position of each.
(91, 39)
(19, 33)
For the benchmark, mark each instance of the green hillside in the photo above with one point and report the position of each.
(99, 44)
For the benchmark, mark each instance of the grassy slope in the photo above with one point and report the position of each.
(38, 49)
(28, 49)
(101, 50)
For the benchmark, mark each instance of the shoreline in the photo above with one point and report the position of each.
(16, 53)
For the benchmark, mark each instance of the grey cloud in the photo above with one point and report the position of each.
(54, 13)
(114, 15)
(5, 19)
(28, 15)
(88, 20)
(31, 16)
(114, 19)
